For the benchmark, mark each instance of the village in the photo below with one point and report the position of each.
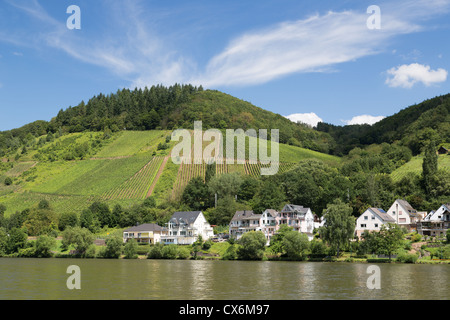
(185, 228)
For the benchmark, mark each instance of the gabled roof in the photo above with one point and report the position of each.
(405, 204)
(272, 212)
(184, 217)
(245, 215)
(382, 214)
(294, 208)
(144, 227)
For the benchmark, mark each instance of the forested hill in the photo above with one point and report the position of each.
(412, 127)
(166, 108)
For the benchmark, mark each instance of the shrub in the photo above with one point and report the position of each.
(416, 237)
(90, 252)
(231, 253)
(130, 249)
(170, 251)
(183, 253)
(407, 257)
(207, 245)
(27, 252)
(8, 181)
(156, 251)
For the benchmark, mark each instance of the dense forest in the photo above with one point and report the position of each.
(413, 127)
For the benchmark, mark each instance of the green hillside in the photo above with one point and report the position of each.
(124, 168)
(414, 166)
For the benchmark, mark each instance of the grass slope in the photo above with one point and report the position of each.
(415, 166)
(121, 172)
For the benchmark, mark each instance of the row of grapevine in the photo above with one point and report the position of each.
(186, 172)
(137, 186)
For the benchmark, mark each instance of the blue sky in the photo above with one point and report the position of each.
(309, 60)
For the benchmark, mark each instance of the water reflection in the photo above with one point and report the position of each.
(197, 280)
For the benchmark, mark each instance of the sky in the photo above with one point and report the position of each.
(340, 62)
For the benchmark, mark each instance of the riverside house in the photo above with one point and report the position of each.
(297, 217)
(404, 214)
(144, 233)
(185, 228)
(371, 220)
(436, 223)
(244, 221)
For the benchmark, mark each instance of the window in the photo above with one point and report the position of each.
(376, 225)
(363, 225)
(373, 217)
(366, 217)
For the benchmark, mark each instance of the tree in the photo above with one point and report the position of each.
(89, 221)
(113, 249)
(80, 238)
(429, 167)
(252, 245)
(17, 240)
(276, 241)
(270, 196)
(67, 219)
(103, 214)
(389, 239)
(44, 245)
(249, 187)
(339, 225)
(225, 185)
(223, 213)
(41, 220)
(3, 241)
(130, 249)
(196, 195)
(8, 181)
(295, 244)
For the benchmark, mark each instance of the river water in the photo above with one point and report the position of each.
(218, 280)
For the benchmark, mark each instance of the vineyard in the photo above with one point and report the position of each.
(137, 186)
(414, 166)
(186, 172)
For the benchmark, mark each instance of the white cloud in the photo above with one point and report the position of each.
(309, 118)
(133, 49)
(364, 119)
(406, 76)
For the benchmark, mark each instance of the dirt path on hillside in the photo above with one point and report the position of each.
(160, 171)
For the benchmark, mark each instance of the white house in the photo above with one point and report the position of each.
(186, 227)
(371, 220)
(144, 233)
(269, 223)
(244, 221)
(297, 217)
(404, 214)
(436, 222)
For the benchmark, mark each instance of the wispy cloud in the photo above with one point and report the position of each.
(406, 76)
(140, 55)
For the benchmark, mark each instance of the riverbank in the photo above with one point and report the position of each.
(216, 251)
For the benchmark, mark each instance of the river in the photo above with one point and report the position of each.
(121, 279)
